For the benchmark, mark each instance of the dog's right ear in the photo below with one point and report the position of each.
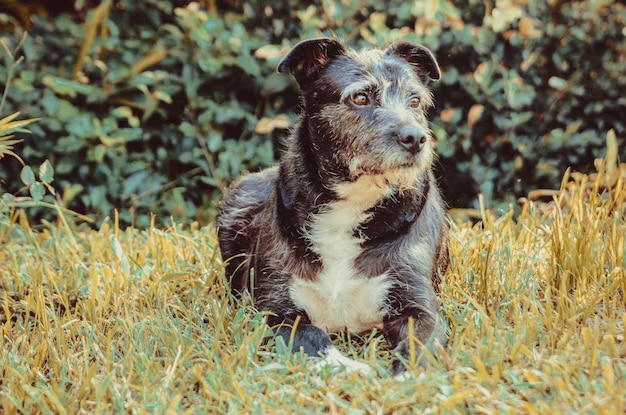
(309, 57)
(421, 59)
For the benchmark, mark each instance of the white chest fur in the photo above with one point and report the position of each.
(339, 297)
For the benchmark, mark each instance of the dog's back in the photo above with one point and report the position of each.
(238, 224)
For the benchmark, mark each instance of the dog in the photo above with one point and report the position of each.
(349, 231)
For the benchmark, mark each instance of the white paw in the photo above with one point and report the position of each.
(407, 376)
(403, 377)
(334, 359)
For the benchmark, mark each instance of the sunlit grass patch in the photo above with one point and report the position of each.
(134, 321)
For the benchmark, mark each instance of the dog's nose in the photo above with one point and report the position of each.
(412, 140)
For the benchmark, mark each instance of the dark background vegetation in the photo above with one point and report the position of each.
(154, 106)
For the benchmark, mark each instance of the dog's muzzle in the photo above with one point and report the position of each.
(411, 139)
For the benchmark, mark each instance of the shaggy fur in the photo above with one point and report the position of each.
(349, 231)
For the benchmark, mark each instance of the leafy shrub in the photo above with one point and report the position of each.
(153, 106)
(151, 118)
(35, 187)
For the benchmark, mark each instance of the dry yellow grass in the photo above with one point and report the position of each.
(139, 321)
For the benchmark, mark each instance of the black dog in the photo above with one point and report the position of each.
(349, 231)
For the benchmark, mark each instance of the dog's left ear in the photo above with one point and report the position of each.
(421, 59)
(309, 57)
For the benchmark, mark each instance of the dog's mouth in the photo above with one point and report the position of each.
(365, 166)
(400, 176)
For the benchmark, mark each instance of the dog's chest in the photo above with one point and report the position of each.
(339, 297)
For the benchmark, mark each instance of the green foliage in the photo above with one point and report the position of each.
(148, 123)
(8, 126)
(147, 107)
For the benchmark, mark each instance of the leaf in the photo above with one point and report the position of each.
(162, 96)
(270, 52)
(452, 14)
(50, 103)
(8, 126)
(66, 111)
(121, 255)
(135, 183)
(612, 154)
(512, 120)
(450, 115)
(46, 172)
(483, 73)
(125, 112)
(9, 118)
(474, 114)
(6, 147)
(527, 29)
(72, 88)
(51, 189)
(149, 59)
(70, 192)
(557, 83)
(267, 125)
(7, 198)
(270, 367)
(377, 21)
(215, 141)
(37, 191)
(27, 176)
(5, 152)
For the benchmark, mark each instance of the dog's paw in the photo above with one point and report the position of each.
(333, 359)
(407, 376)
(403, 377)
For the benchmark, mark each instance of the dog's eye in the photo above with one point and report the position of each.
(414, 102)
(360, 100)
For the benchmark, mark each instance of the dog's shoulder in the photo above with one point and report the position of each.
(244, 202)
(250, 191)
(238, 222)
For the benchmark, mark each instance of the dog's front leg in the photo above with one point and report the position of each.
(409, 332)
(315, 342)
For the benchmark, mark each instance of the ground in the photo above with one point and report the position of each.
(135, 321)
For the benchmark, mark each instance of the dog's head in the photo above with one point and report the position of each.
(365, 112)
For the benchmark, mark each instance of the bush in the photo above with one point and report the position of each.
(153, 106)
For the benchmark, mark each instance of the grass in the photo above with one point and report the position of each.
(139, 321)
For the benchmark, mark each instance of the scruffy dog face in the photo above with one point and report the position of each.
(349, 231)
(370, 110)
